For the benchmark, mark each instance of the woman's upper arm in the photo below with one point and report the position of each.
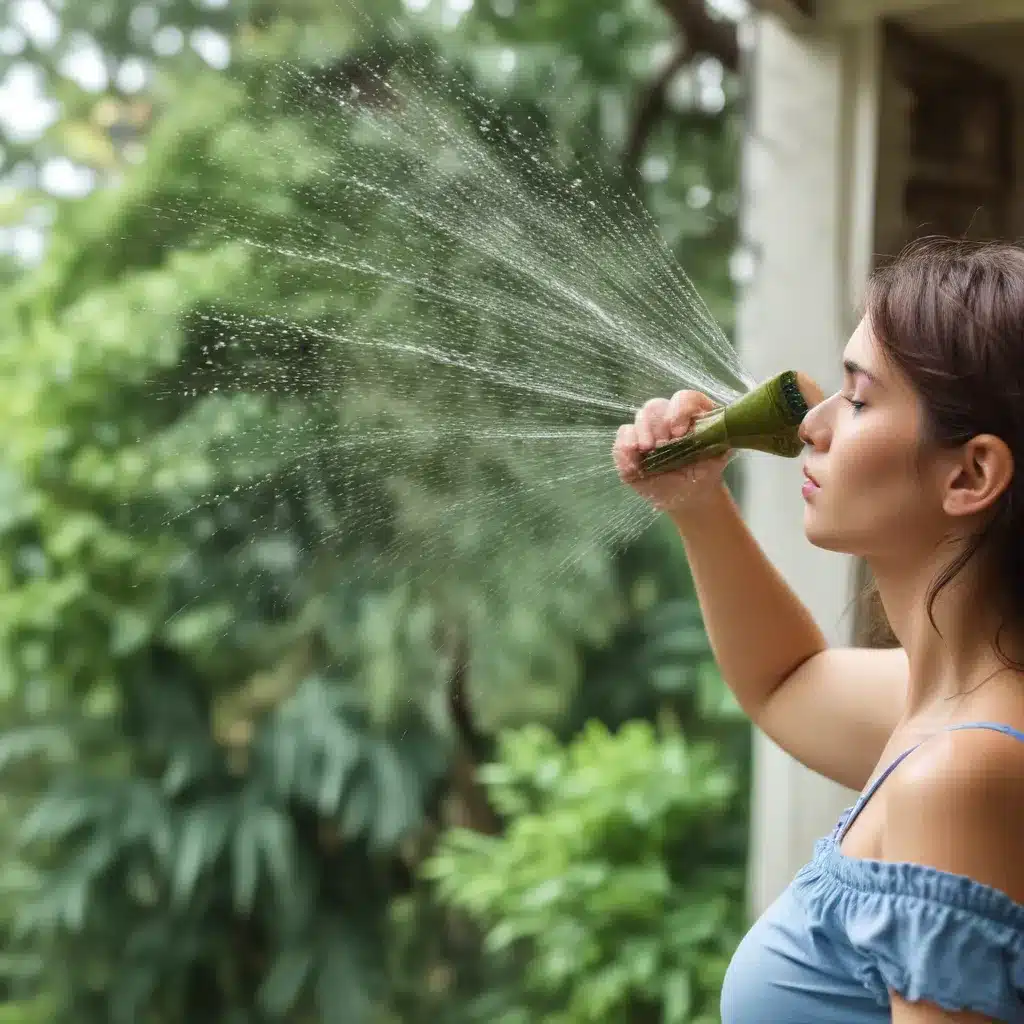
(836, 711)
(928, 1013)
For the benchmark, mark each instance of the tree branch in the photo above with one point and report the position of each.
(473, 809)
(652, 106)
(702, 35)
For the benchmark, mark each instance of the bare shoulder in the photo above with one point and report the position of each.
(956, 805)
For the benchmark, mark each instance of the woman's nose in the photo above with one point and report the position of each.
(816, 428)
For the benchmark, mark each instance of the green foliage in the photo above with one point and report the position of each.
(661, 640)
(610, 889)
(54, 41)
(226, 743)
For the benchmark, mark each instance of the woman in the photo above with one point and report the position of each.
(912, 910)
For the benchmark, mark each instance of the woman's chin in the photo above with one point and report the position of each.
(819, 534)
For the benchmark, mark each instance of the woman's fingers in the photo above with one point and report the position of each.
(684, 408)
(627, 453)
(658, 422)
(652, 426)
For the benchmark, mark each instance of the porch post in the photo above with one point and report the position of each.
(808, 224)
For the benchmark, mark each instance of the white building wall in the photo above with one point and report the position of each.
(809, 223)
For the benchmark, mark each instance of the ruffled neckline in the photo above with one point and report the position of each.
(831, 872)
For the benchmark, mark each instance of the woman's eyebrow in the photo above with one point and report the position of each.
(853, 369)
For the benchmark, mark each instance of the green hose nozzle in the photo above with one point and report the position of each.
(766, 419)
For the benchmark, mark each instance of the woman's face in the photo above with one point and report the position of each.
(869, 490)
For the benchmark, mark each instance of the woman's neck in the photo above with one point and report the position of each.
(949, 659)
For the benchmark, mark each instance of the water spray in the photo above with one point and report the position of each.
(766, 419)
(493, 314)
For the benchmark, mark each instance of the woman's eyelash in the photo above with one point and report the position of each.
(857, 406)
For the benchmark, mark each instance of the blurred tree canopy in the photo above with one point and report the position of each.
(228, 748)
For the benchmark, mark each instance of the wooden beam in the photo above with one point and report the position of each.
(860, 12)
(798, 11)
(947, 17)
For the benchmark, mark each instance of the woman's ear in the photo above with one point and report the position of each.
(980, 474)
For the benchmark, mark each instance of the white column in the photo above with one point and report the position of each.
(809, 224)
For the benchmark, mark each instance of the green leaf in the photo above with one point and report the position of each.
(204, 833)
(398, 808)
(359, 806)
(55, 817)
(246, 863)
(264, 835)
(130, 632)
(678, 998)
(277, 842)
(51, 742)
(343, 984)
(283, 985)
(193, 629)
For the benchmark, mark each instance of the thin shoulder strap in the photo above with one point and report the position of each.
(870, 791)
(1006, 730)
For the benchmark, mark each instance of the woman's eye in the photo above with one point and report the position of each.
(857, 406)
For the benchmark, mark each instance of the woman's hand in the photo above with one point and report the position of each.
(661, 420)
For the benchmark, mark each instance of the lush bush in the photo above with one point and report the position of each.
(614, 887)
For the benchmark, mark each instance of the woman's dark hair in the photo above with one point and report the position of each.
(950, 315)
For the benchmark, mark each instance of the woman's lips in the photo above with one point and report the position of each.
(810, 487)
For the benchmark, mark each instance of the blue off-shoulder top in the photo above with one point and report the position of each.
(848, 931)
